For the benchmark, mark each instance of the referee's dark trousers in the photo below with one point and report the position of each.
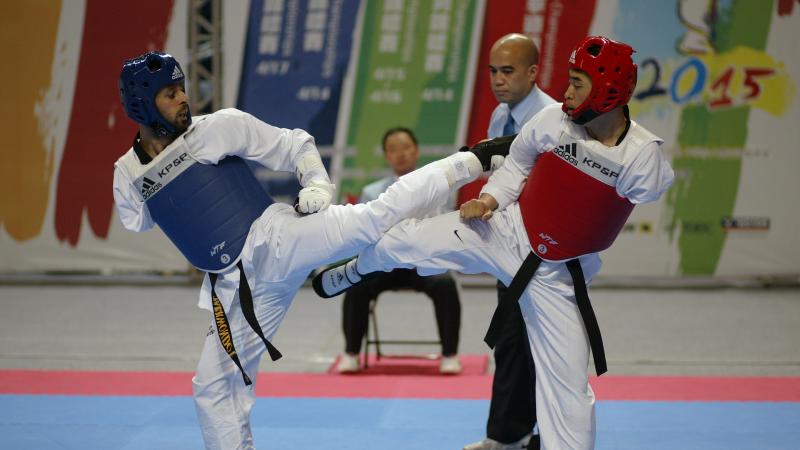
(512, 412)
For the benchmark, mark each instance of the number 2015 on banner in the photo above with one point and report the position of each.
(720, 87)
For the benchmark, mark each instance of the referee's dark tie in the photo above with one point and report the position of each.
(508, 128)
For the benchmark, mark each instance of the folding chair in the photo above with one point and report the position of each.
(372, 337)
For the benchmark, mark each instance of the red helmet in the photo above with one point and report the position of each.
(609, 65)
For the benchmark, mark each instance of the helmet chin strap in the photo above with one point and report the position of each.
(586, 116)
(160, 130)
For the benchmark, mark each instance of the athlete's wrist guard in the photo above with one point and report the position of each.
(310, 168)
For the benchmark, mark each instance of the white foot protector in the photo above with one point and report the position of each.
(337, 279)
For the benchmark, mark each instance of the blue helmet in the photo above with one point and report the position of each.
(141, 79)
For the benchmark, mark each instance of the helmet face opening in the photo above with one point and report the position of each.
(139, 83)
(609, 66)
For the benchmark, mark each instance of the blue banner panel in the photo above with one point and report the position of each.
(296, 57)
(295, 61)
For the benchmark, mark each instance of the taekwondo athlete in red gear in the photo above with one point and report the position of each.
(188, 176)
(596, 165)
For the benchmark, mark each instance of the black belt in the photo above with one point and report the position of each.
(518, 285)
(223, 328)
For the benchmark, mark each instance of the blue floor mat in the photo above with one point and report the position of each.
(136, 423)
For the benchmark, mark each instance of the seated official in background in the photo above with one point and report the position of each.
(401, 152)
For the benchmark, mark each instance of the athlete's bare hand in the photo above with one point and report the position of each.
(480, 208)
(476, 209)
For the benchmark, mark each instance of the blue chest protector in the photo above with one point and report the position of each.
(205, 210)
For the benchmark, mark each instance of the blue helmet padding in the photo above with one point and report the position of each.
(141, 79)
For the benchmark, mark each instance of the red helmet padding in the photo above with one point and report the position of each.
(609, 65)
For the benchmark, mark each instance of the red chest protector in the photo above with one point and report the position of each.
(570, 206)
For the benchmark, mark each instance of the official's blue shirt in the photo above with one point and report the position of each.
(522, 112)
(374, 189)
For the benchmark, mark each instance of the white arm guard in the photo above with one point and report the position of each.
(309, 168)
(317, 189)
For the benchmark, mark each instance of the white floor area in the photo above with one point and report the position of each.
(646, 331)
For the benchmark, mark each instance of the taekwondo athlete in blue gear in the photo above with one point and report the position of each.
(188, 177)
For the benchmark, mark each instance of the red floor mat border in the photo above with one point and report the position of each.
(642, 388)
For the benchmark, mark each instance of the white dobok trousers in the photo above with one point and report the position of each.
(557, 338)
(282, 249)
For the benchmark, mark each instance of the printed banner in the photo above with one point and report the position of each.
(67, 128)
(412, 71)
(295, 61)
(717, 81)
(84, 178)
(27, 155)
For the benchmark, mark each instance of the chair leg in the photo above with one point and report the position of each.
(365, 362)
(376, 337)
(367, 340)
